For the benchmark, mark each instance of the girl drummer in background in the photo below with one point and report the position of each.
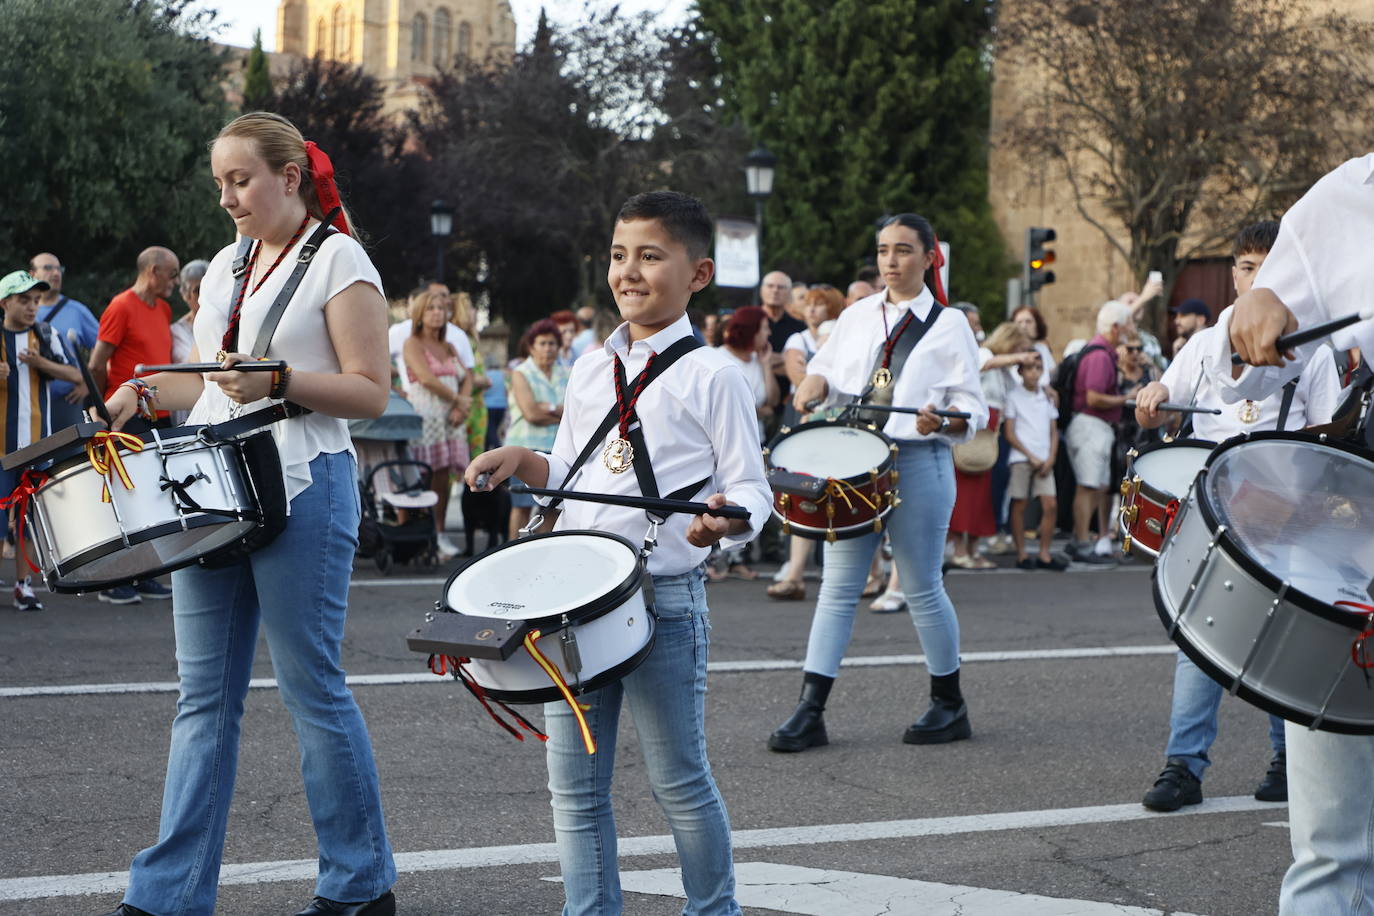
(333, 337)
(940, 373)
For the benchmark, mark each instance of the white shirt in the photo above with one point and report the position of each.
(396, 337)
(803, 341)
(941, 370)
(698, 421)
(1034, 414)
(1320, 267)
(302, 339)
(1206, 357)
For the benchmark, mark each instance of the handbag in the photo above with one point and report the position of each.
(979, 454)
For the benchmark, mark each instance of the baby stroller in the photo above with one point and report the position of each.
(398, 515)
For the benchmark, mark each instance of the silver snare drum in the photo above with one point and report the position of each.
(1276, 531)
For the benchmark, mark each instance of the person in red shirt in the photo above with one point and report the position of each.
(136, 327)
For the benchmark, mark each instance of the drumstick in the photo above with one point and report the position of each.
(261, 365)
(1179, 408)
(952, 414)
(1316, 332)
(666, 506)
(91, 390)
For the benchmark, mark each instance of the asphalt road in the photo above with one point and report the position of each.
(1043, 801)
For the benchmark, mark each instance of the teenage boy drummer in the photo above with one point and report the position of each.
(696, 419)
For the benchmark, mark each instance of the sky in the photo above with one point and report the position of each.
(243, 16)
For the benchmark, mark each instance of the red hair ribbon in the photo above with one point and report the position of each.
(322, 175)
(939, 262)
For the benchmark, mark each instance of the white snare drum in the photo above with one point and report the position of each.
(190, 497)
(1157, 475)
(584, 591)
(1277, 529)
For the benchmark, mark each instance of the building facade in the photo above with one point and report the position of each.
(400, 42)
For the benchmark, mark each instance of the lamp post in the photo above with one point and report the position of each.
(441, 227)
(758, 179)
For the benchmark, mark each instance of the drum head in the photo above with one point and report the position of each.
(833, 450)
(1303, 511)
(574, 572)
(1173, 468)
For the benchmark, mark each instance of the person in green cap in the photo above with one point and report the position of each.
(31, 356)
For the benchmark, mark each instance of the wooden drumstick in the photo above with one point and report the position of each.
(665, 506)
(1179, 408)
(92, 392)
(951, 414)
(261, 365)
(1316, 332)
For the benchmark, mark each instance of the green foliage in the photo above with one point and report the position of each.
(872, 107)
(257, 81)
(106, 107)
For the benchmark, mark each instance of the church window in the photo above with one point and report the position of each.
(417, 37)
(443, 38)
(321, 37)
(340, 33)
(464, 41)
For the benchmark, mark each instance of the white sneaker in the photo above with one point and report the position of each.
(24, 598)
(888, 603)
(1103, 548)
(447, 549)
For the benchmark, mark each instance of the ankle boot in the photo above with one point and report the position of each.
(947, 718)
(805, 727)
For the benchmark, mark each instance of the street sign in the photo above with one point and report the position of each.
(737, 253)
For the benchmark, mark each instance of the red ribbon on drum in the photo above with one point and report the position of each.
(30, 482)
(1359, 650)
(447, 664)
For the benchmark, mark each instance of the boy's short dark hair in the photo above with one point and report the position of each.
(683, 216)
(869, 274)
(1257, 238)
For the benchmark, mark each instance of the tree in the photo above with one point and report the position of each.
(108, 106)
(382, 182)
(1175, 123)
(257, 81)
(872, 107)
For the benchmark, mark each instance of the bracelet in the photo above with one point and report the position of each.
(145, 393)
(280, 380)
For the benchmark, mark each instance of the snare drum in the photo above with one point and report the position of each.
(1275, 535)
(856, 482)
(190, 497)
(1157, 477)
(586, 593)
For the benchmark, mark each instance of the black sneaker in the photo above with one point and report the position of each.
(1027, 564)
(1274, 786)
(151, 588)
(1175, 787)
(120, 594)
(1084, 553)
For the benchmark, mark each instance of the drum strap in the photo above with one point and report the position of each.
(648, 485)
(1286, 404)
(908, 334)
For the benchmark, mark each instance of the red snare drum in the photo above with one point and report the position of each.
(843, 483)
(1157, 478)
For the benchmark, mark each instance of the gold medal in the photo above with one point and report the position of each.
(1248, 412)
(618, 455)
(882, 377)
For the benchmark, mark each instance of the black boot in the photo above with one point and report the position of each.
(947, 718)
(805, 727)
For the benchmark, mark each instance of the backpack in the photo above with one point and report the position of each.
(1065, 378)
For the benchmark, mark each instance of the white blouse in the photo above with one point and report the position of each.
(301, 338)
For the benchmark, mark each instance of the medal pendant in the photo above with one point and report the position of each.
(618, 455)
(882, 377)
(1248, 412)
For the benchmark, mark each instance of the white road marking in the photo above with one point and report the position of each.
(393, 583)
(735, 667)
(817, 892)
(497, 856)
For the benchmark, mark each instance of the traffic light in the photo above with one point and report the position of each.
(1038, 258)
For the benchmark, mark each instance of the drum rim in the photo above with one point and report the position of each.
(101, 551)
(598, 607)
(1244, 690)
(1229, 543)
(1155, 493)
(812, 533)
(779, 436)
(552, 694)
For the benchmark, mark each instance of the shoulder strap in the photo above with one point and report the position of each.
(293, 282)
(57, 309)
(665, 359)
(1289, 389)
(908, 334)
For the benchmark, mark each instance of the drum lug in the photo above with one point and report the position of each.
(1126, 542)
(830, 535)
(878, 525)
(572, 656)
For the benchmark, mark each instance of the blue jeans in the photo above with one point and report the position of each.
(1193, 719)
(918, 526)
(296, 588)
(667, 697)
(1331, 824)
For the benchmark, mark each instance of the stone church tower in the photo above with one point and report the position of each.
(400, 42)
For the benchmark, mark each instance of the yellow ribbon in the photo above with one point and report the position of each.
(838, 488)
(102, 451)
(556, 676)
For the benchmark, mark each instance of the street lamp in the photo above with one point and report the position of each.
(758, 179)
(441, 227)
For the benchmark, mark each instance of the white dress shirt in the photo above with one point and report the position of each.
(1321, 267)
(941, 370)
(698, 422)
(1206, 358)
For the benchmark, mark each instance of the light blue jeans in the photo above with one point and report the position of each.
(296, 588)
(667, 698)
(1193, 718)
(1331, 824)
(918, 526)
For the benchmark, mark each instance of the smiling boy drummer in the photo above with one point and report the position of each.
(690, 430)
